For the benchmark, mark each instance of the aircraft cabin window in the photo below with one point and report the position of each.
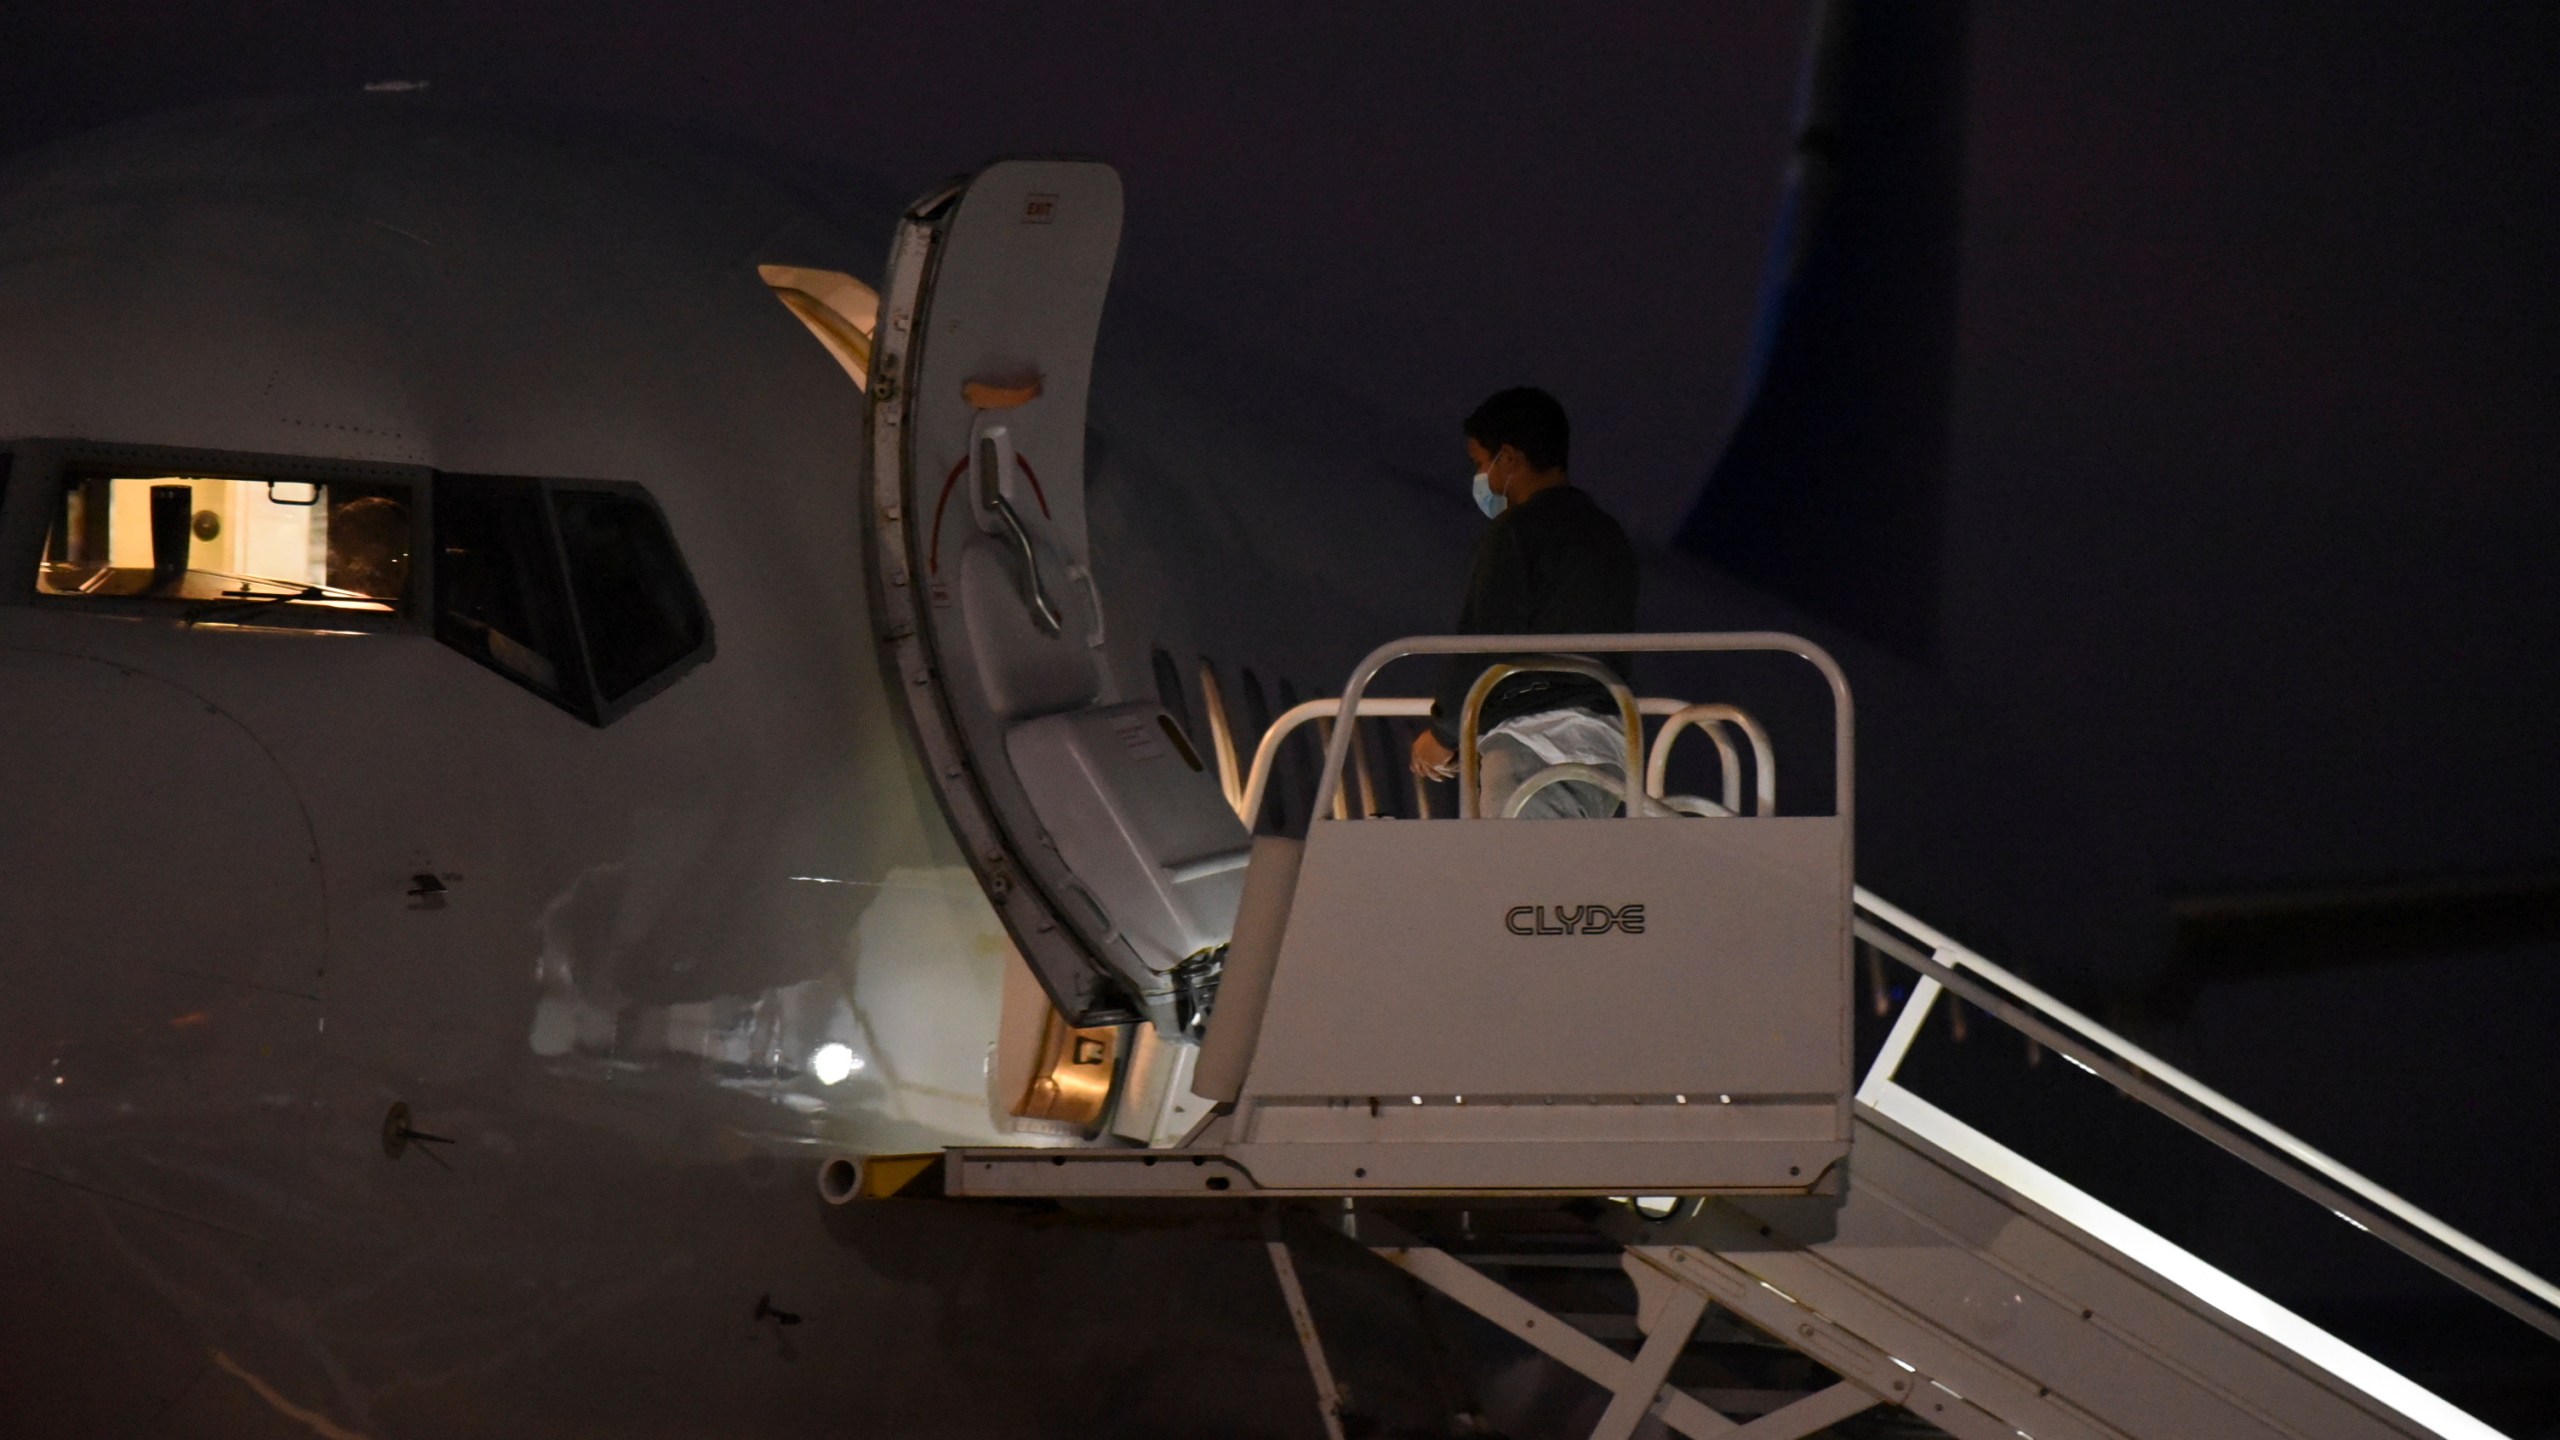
(575, 591)
(1168, 687)
(232, 550)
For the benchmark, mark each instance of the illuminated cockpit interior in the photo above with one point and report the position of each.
(224, 546)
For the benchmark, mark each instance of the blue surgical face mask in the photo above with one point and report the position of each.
(1486, 501)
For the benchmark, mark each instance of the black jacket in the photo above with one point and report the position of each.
(1555, 564)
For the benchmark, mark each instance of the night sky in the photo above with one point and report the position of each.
(2249, 520)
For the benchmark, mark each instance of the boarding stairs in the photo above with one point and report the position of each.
(1826, 1250)
(1958, 1283)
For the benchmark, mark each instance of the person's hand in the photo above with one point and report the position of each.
(1431, 759)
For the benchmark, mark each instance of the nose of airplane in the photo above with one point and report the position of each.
(162, 1031)
(165, 944)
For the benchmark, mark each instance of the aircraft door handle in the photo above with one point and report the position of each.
(1035, 595)
(426, 892)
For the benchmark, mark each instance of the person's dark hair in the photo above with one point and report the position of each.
(1529, 420)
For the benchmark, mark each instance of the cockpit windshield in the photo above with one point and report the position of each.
(231, 549)
(573, 588)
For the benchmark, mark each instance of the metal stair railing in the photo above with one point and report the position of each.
(1945, 965)
(1677, 715)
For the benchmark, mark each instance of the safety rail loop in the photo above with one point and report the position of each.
(1941, 964)
(1677, 715)
(1470, 722)
(1338, 751)
(1764, 759)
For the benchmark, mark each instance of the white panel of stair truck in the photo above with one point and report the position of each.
(1616, 1006)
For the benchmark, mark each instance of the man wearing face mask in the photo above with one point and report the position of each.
(1551, 562)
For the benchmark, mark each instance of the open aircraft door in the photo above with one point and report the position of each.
(1101, 837)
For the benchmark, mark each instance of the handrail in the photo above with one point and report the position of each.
(1697, 805)
(1579, 773)
(1843, 729)
(1657, 764)
(1471, 716)
(1213, 701)
(2137, 1072)
(1764, 759)
(1266, 753)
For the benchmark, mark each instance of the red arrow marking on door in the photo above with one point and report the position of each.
(933, 550)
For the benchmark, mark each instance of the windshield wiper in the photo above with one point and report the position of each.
(249, 600)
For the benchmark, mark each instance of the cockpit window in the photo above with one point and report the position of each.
(232, 549)
(574, 590)
(499, 594)
(635, 601)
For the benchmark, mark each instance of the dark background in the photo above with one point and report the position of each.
(2246, 518)
(2255, 332)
